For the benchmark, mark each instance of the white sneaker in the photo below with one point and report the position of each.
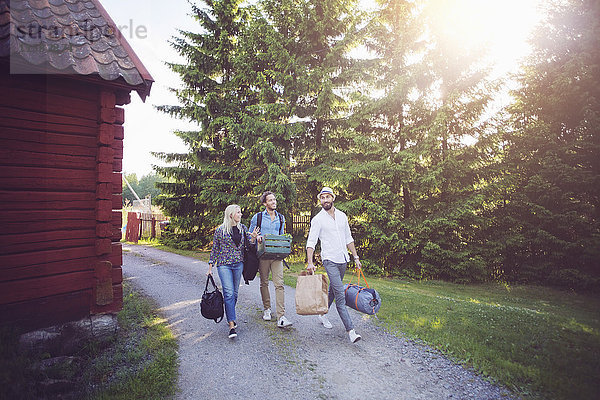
(354, 337)
(283, 322)
(325, 321)
(267, 314)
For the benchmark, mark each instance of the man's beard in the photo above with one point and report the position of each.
(327, 206)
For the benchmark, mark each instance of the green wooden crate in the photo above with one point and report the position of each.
(274, 247)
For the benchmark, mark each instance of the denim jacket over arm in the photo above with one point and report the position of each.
(224, 250)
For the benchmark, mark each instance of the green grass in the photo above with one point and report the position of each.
(141, 363)
(540, 342)
(144, 363)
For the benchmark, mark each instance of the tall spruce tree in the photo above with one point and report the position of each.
(295, 57)
(262, 103)
(408, 176)
(457, 92)
(547, 219)
(267, 68)
(358, 159)
(212, 175)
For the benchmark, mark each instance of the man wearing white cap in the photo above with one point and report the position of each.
(331, 226)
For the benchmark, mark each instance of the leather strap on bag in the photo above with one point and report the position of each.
(259, 222)
(359, 273)
(306, 272)
(211, 280)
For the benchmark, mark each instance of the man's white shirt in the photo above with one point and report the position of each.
(334, 235)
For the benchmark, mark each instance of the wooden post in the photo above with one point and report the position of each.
(133, 227)
(153, 228)
(140, 235)
(108, 183)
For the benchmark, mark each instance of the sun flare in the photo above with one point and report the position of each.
(502, 27)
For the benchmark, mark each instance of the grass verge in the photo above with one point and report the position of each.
(141, 363)
(539, 342)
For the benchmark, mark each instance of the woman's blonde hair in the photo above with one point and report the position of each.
(228, 222)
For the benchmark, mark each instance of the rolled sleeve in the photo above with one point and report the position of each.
(349, 238)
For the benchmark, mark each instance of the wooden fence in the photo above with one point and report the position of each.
(143, 225)
(300, 225)
(147, 225)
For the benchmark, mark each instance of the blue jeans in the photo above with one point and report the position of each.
(336, 272)
(230, 276)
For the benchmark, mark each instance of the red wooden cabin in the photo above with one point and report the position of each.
(65, 73)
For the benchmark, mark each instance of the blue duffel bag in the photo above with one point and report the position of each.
(360, 298)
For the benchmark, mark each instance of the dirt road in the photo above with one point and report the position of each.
(305, 361)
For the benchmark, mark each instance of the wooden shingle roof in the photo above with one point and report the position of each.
(69, 36)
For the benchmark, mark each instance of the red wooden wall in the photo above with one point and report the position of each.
(61, 151)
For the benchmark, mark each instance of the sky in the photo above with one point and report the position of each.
(148, 25)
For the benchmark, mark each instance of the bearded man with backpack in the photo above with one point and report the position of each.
(271, 222)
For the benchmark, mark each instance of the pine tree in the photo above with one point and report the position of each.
(409, 179)
(263, 103)
(359, 158)
(295, 57)
(453, 103)
(320, 39)
(211, 176)
(548, 225)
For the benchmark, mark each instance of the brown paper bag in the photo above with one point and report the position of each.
(311, 294)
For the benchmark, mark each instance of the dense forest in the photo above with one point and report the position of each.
(437, 182)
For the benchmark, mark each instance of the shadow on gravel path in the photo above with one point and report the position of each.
(305, 361)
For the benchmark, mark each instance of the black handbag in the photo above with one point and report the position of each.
(211, 305)
(250, 261)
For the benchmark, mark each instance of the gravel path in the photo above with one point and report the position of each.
(305, 361)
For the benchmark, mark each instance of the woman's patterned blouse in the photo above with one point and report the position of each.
(224, 250)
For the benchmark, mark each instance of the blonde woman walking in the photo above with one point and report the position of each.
(228, 256)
